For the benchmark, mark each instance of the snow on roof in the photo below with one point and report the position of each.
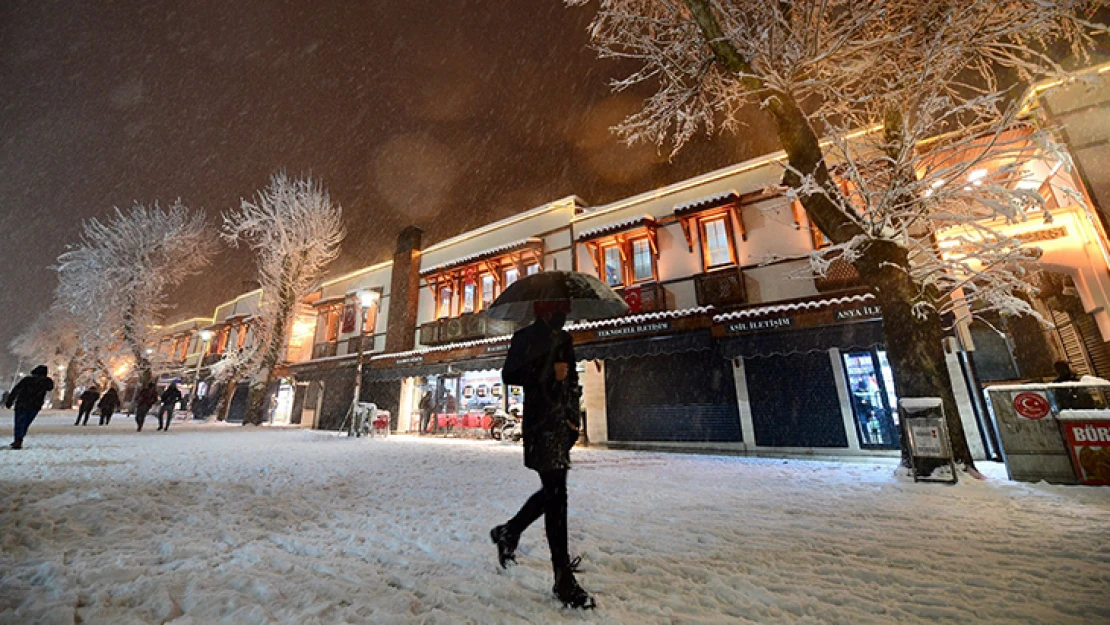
(634, 319)
(501, 249)
(613, 227)
(446, 347)
(717, 198)
(806, 305)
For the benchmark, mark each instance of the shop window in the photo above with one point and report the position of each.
(511, 276)
(874, 403)
(532, 269)
(469, 294)
(488, 289)
(716, 242)
(443, 308)
(611, 259)
(642, 261)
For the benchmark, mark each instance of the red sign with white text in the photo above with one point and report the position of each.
(1031, 405)
(1089, 444)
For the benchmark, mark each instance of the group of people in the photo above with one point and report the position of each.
(145, 399)
(29, 394)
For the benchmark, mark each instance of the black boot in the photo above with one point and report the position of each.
(18, 444)
(506, 542)
(568, 591)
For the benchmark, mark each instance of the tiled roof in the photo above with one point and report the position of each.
(705, 202)
(490, 253)
(804, 305)
(443, 348)
(634, 319)
(615, 227)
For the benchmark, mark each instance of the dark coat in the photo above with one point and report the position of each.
(146, 398)
(88, 399)
(171, 396)
(551, 417)
(29, 393)
(109, 401)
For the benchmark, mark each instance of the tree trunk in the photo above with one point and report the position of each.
(70, 382)
(914, 342)
(257, 403)
(227, 393)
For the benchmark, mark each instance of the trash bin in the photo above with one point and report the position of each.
(1031, 436)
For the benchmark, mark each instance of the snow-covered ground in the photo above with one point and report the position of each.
(225, 524)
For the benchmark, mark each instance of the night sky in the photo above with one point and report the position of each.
(443, 114)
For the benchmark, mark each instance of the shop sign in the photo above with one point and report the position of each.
(1089, 445)
(497, 349)
(926, 439)
(410, 360)
(738, 327)
(863, 312)
(642, 328)
(1031, 405)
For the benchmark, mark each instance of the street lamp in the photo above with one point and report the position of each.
(366, 299)
(205, 337)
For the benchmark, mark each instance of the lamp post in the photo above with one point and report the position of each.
(366, 299)
(205, 337)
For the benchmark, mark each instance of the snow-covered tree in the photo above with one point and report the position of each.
(294, 230)
(51, 340)
(117, 279)
(917, 102)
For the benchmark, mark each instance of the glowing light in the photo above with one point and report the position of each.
(205, 335)
(368, 298)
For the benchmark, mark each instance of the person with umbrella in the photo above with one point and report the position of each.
(541, 360)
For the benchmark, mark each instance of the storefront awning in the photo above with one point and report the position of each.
(648, 346)
(400, 373)
(845, 336)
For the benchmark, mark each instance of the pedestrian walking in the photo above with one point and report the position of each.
(28, 396)
(541, 360)
(144, 401)
(426, 410)
(88, 402)
(170, 397)
(109, 401)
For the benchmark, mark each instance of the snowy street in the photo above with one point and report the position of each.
(226, 524)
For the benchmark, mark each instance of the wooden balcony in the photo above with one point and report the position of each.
(722, 288)
(646, 297)
(463, 328)
(324, 350)
(841, 275)
(364, 340)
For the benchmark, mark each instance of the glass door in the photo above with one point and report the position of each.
(874, 402)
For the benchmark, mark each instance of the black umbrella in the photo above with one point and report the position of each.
(587, 297)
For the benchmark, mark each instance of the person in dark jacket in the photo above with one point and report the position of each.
(425, 411)
(28, 396)
(170, 397)
(88, 402)
(109, 401)
(541, 360)
(144, 401)
(1070, 397)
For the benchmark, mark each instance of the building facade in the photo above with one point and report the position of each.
(731, 343)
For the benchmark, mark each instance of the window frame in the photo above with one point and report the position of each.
(622, 274)
(333, 324)
(652, 274)
(725, 218)
(444, 308)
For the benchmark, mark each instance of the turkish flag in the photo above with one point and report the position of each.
(634, 298)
